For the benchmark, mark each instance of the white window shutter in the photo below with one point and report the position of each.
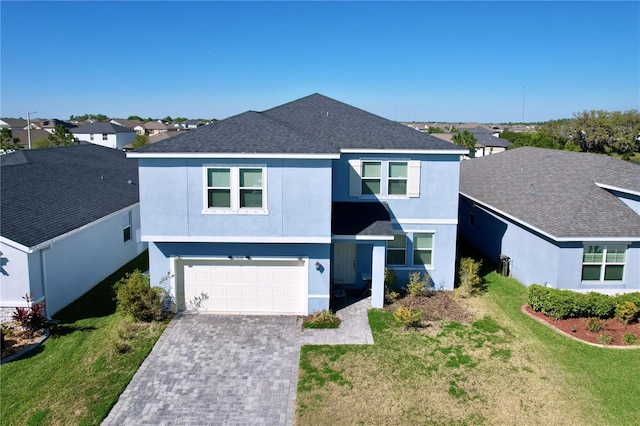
(355, 182)
(413, 179)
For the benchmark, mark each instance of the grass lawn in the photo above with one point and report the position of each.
(76, 376)
(500, 368)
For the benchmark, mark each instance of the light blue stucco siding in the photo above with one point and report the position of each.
(537, 259)
(439, 180)
(161, 256)
(173, 199)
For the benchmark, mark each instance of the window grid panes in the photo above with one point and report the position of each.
(397, 183)
(126, 227)
(423, 249)
(397, 250)
(250, 188)
(603, 263)
(371, 177)
(219, 187)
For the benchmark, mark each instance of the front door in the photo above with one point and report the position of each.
(344, 263)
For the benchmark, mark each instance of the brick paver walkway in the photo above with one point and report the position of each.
(228, 369)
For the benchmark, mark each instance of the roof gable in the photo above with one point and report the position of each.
(101, 127)
(556, 192)
(46, 193)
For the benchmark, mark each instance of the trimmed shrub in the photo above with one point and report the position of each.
(135, 296)
(605, 339)
(570, 304)
(626, 311)
(594, 325)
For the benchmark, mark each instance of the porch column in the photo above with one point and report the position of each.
(377, 274)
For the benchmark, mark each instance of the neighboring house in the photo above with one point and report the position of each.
(487, 139)
(106, 134)
(50, 124)
(70, 218)
(569, 220)
(135, 125)
(154, 127)
(260, 212)
(13, 123)
(23, 135)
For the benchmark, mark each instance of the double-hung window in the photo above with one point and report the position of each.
(603, 262)
(371, 177)
(397, 182)
(126, 227)
(423, 249)
(105, 136)
(384, 178)
(235, 189)
(397, 250)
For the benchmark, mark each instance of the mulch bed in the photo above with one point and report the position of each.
(578, 328)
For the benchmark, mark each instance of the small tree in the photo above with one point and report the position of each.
(7, 141)
(470, 280)
(139, 141)
(135, 296)
(467, 140)
(61, 136)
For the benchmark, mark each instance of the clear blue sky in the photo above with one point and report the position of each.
(413, 61)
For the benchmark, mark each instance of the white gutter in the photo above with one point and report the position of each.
(232, 155)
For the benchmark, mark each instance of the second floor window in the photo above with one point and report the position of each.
(235, 189)
(384, 178)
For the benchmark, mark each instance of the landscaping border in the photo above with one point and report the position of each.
(27, 348)
(524, 310)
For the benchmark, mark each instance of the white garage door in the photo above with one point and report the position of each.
(245, 286)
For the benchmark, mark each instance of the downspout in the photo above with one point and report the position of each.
(43, 279)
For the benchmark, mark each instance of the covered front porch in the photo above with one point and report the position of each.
(359, 235)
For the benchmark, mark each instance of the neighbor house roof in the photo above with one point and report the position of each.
(14, 123)
(23, 135)
(315, 124)
(101, 127)
(46, 193)
(131, 124)
(558, 193)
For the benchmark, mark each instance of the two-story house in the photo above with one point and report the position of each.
(105, 134)
(262, 211)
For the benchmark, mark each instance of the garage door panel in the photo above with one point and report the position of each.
(254, 286)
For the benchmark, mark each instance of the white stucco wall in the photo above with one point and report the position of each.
(69, 266)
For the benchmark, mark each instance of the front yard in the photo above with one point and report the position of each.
(499, 367)
(76, 376)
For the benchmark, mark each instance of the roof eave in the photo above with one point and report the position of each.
(403, 151)
(324, 156)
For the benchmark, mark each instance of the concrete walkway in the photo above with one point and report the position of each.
(228, 369)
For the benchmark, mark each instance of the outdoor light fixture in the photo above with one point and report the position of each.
(318, 266)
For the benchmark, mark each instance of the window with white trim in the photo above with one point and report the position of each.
(397, 250)
(384, 178)
(91, 136)
(126, 227)
(423, 249)
(235, 189)
(105, 136)
(603, 262)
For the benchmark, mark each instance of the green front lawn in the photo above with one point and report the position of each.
(501, 368)
(76, 376)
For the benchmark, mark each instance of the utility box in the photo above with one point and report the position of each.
(504, 266)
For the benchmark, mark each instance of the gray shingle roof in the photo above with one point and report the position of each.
(555, 191)
(101, 127)
(315, 124)
(45, 193)
(364, 219)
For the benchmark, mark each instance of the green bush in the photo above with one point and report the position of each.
(626, 311)
(570, 304)
(630, 339)
(135, 296)
(594, 325)
(417, 285)
(408, 317)
(605, 339)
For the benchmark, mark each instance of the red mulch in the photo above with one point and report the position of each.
(612, 327)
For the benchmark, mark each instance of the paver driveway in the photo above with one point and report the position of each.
(216, 369)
